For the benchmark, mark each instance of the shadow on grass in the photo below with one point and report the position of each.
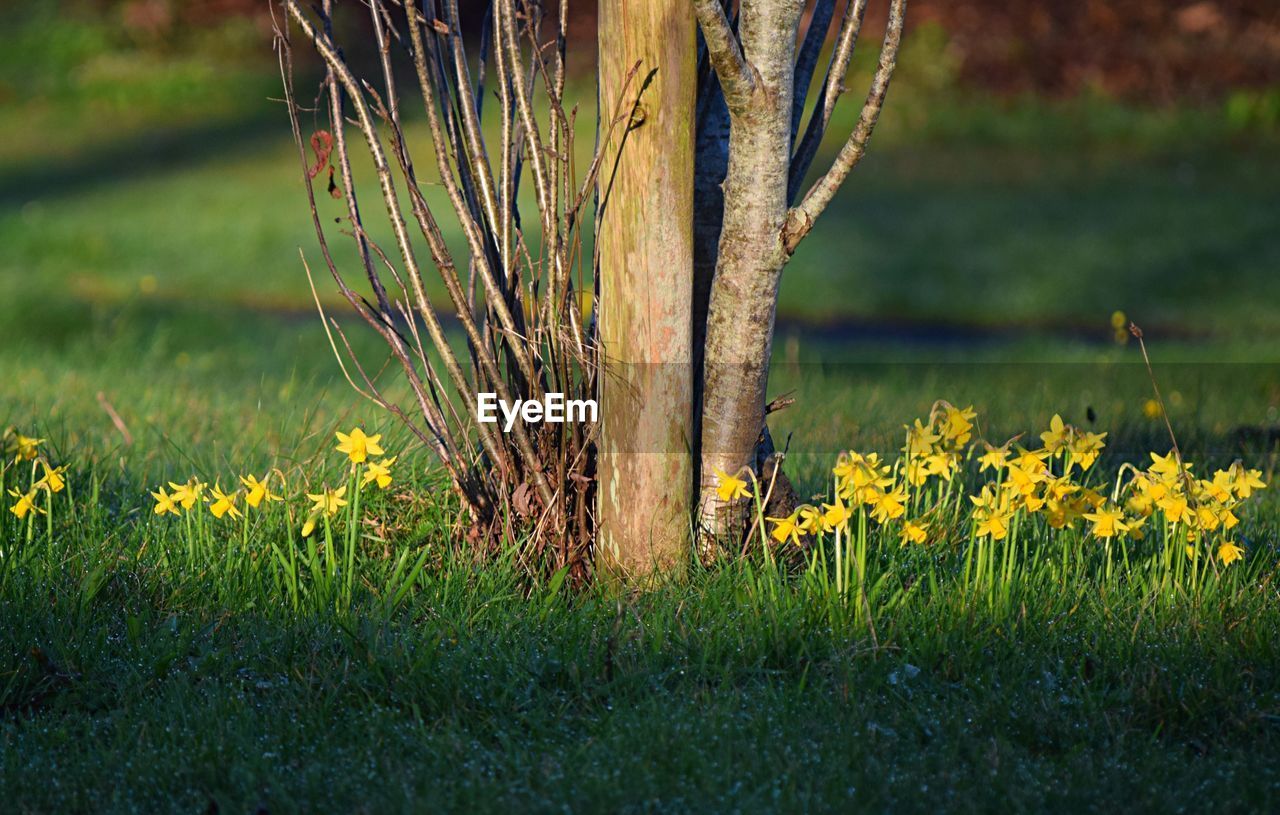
(151, 152)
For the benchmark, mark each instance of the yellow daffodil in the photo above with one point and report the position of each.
(1136, 529)
(786, 529)
(23, 448)
(889, 504)
(914, 532)
(1031, 460)
(1206, 518)
(1223, 479)
(26, 503)
(1091, 497)
(224, 503)
(1140, 504)
(358, 446)
(1060, 513)
(164, 503)
(986, 499)
(857, 475)
(957, 424)
(874, 476)
(993, 524)
(1108, 521)
(1060, 488)
(1150, 487)
(1166, 467)
(1033, 501)
(1175, 508)
(730, 488)
(257, 491)
(1229, 553)
(810, 519)
(996, 458)
(1057, 439)
(1023, 480)
(940, 464)
(846, 463)
(1085, 448)
(1120, 327)
(1215, 490)
(379, 472)
(992, 514)
(52, 479)
(1244, 482)
(189, 494)
(326, 504)
(920, 439)
(916, 474)
(835, 516)
(329, 501)
(1060, 508)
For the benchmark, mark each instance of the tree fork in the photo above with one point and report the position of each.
(764, 81)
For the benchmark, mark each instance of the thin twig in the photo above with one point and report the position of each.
(114, 416)
(1177, 452)
(801, 219)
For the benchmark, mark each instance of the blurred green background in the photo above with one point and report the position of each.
(1035, 171)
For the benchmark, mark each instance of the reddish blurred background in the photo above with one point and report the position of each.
(1158, 51)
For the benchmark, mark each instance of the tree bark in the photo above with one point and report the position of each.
(758, 88)
(645, 245)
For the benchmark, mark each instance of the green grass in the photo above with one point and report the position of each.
(150, 256)
(136, 679)
(988, 238)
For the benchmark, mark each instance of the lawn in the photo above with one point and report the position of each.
(155, 324)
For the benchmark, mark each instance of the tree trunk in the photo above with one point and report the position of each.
(752, 251)
(645, 246)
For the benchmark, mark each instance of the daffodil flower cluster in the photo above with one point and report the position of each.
(1054, 482)
(316, 561)
(194, 494)
(1040, 481)
(18, 450)
(934, 449)
(1204, 510)
(258, 493)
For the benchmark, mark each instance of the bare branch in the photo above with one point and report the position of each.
(832, 88)
(337, 125)
(802, 218)
(807, 58)
(737, 77)
(468, 105)
(511, 321)
(441, 440)
(492, 443)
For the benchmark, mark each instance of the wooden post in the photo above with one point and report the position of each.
(646, 288)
